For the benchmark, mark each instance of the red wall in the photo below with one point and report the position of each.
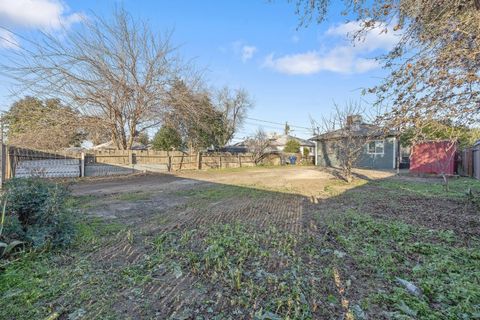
(433, 157)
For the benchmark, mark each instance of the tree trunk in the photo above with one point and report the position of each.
(445, 182)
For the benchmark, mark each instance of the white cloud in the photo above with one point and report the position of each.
(248, 52)
(344, 57)
(8, 40)
(243, 50)
(42, 14)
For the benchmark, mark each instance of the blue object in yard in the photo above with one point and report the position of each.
(293, 160)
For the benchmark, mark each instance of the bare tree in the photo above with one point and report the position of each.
(116, 70)
(258, 145)
(233, 105)
(346, 135)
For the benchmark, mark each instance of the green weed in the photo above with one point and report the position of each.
(132, 196)
(446, 272)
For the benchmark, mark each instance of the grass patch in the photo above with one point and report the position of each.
(220, 192)
(433, 188)
(435, 261)
(132, 196)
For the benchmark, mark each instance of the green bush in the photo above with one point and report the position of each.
(36, 213)
(292, 146)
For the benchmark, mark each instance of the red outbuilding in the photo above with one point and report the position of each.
(434, 157)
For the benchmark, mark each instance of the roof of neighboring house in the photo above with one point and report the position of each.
(360, 130)
(110, 145)
(281, 140)
(276, 141)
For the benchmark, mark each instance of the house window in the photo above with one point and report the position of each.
(375, 147)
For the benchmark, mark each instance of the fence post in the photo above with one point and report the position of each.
(199, 160)
(82, 164)
(239, 160)
(130, 157)
(3, 165)
(169, 163)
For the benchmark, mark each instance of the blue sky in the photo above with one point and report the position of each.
(253, 44)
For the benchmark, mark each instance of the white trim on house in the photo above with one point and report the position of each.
(375, 148)
(316, 152)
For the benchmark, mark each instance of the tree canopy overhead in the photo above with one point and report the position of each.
(434, 68)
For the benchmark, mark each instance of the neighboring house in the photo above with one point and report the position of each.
(380, 151)
(277, 144)
(112, 146)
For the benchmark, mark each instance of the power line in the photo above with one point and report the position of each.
(305, 131)
(278, 123)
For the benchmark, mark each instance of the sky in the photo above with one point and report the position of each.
(291, 73)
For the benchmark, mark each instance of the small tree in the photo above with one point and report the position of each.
(167, 138)
(292, 146)
(258, 145)
(306, 152)
(142, 138)
(348, 141)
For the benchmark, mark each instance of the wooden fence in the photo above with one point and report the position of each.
(21, 162)
(470, 164)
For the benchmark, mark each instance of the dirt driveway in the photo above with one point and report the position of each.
(307, 181)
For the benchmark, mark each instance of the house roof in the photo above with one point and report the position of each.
(276, 141)
(281, 140)
(110, 145)
(360, 130)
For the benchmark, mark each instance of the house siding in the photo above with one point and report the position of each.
(326, 156)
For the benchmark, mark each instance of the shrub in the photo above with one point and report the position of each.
(306, 152)
(292, 146)
(36, 213)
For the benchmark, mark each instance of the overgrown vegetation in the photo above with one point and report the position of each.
(259, 272)
(36, 213)
(444, 270)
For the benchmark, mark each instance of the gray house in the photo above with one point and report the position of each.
(379, 152)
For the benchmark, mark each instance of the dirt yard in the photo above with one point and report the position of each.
(258, 243)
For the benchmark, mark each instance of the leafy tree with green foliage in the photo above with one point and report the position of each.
(292, 146)
(167, 138)
(43, 124)
(204, 119)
